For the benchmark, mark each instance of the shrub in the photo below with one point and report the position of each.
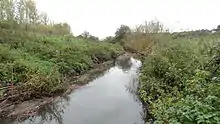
(177, 81)
(40, 63)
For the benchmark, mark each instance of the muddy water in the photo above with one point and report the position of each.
(109, 99)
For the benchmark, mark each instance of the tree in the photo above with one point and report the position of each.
(218, 28)
(9, 10)
(21, 11)
(151, 27)
(44, 19)
(109, 39)
(85, 34)
(23, 14)
(121, 33)
(32, 12)
(2, 9)
(66, 29)
(93, 38)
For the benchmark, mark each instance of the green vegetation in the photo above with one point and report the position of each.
(180, 80)
(43, 62)
(38, 57)
(138, 40)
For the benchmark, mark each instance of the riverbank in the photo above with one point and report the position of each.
(21, 110)
(108, 99)
(34, 68)
(179, 81)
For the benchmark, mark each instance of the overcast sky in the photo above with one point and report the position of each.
(102, 17)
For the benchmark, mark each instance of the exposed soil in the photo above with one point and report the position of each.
(20, 110)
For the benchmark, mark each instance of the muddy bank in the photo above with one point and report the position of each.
(15, 110)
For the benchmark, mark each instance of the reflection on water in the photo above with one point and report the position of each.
(53, 111)
(109, 99)
(123, 64)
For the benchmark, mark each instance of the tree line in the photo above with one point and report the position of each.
(24, 15)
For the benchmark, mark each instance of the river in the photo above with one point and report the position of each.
(108, 99)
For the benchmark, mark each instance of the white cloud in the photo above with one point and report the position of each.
(102, 17)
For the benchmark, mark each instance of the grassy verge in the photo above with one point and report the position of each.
(180, 81)
(41, 65)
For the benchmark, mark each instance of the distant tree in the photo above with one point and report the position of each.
(218, 28)
(21, 11)
(33, 15)
(151, 27)
(121, 33)
(85, 34)
(2, 9)
(109, 39)
(9, 10)
(93, 38)
(44, 19)
(123, 30)
(66, 29)
(23, 15)
(79, 36)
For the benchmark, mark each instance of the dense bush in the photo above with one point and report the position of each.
(180, 81)
(40, 63)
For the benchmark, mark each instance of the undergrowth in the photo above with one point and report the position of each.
(180, 81)
(41, 64)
